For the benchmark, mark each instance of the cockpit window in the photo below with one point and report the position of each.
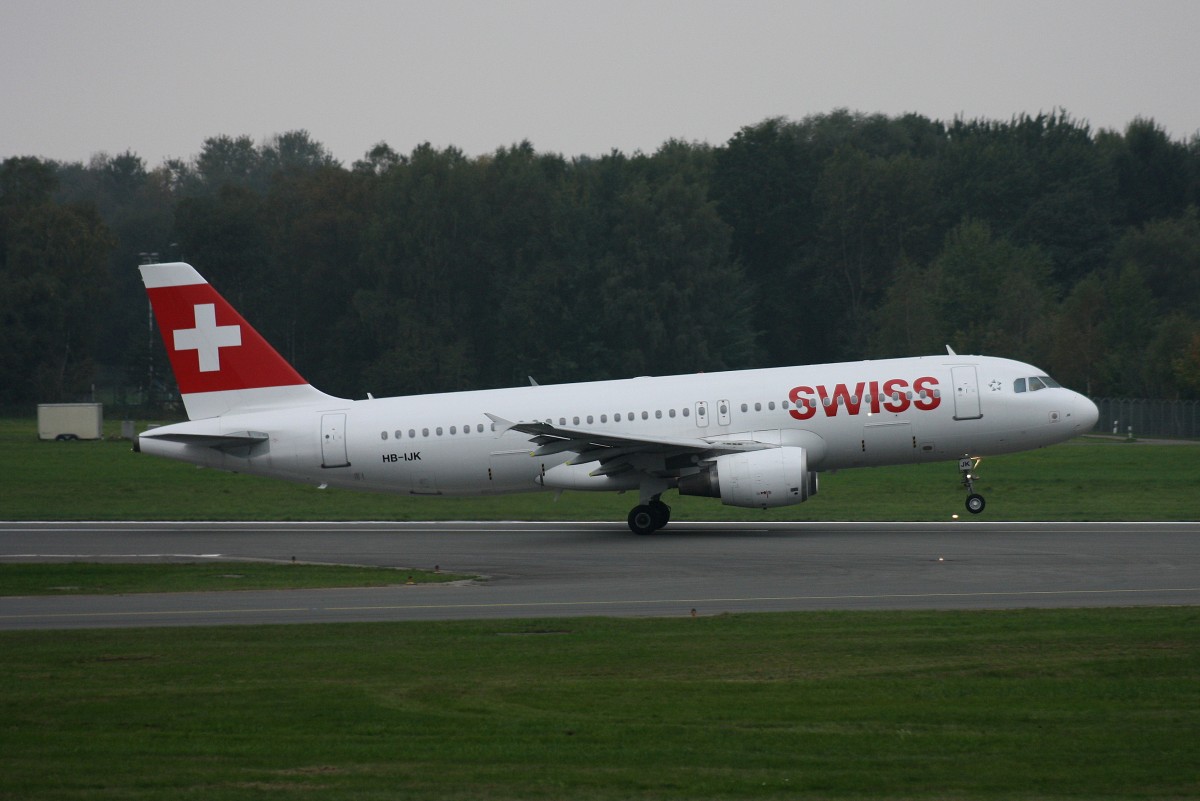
(1034, 383)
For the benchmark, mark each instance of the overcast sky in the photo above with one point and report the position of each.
(158, 77)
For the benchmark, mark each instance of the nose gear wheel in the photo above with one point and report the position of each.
(966, 467)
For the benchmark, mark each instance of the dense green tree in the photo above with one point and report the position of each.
(840, 235)
(52, 259)
(314, 224)
(294, 150)
(1035, 180)
(874, 215)
(1166, 252)
(228, 160)
(224, 233)
(378, 160)
(1153, 172)
(138, 210)
(981, 294)
(1186, 365)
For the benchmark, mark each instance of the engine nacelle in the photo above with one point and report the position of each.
(756, 479)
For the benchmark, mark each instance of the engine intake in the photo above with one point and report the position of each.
(755, 479)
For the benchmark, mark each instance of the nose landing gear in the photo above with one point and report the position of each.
(966, 467)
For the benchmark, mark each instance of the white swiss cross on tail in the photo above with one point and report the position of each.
(207, 338)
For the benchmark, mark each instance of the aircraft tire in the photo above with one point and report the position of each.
(975, 503)
(661, 513)
(642, 520)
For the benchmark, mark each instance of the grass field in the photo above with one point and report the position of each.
(1096, 704)
(1088, 479)
(1064, 704)
(81, 578)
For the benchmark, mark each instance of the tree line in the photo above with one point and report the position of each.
(839, 236)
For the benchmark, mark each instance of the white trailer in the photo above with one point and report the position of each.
(70, 420)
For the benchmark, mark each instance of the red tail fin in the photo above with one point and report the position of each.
(221, 363)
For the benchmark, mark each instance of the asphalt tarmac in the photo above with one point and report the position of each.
(549, 570)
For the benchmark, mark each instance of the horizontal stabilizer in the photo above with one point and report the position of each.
(220, 442)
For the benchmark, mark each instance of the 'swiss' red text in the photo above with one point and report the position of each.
(892, 395)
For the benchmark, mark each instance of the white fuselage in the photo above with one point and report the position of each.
(853, 414)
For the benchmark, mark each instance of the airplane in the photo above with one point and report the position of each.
(752, 438)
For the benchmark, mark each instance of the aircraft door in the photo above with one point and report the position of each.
(702, 414)
(333, 441)
(966, 393)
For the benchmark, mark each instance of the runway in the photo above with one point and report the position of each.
(549, 570)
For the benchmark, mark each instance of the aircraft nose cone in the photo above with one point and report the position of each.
(1086, 413)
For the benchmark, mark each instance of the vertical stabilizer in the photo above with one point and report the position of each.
(220, 362)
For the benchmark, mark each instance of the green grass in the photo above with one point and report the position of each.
(1096, 704)
(75, 578)
(1088, 479)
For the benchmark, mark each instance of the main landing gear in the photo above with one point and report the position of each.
(649, 517)
(966, 466)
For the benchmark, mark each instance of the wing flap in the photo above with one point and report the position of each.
(616, 451)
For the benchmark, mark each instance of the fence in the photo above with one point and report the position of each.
(1148, 417)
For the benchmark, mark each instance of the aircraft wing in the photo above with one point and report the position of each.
(616, 451)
